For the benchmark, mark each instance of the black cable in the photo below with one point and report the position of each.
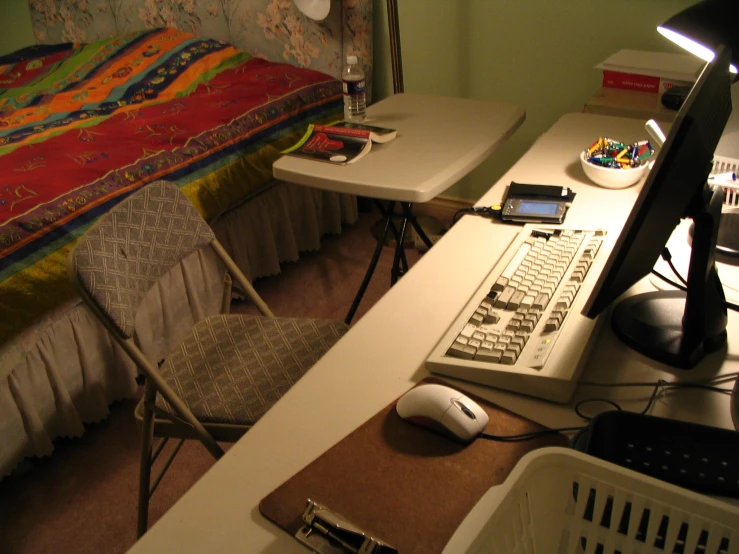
(661, 384)
(528, 436)
(459, 213)
(698, 386)
(587, 400)
(669, 281)
(482, 211)
(666, 256)
(727, 377)
(728, 304)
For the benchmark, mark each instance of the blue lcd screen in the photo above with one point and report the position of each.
(537, 208)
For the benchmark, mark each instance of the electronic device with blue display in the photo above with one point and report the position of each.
(536, 203)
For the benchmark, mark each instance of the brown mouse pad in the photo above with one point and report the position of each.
(404, 484)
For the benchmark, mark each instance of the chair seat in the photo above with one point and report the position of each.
(231, 369)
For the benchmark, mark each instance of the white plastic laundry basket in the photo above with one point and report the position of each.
(558, 500)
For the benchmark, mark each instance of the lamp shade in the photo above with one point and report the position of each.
(315, 9)
(701, 28)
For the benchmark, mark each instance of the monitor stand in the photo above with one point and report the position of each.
(727, 245)
(735, 405)
(728, 234)
(673, 327)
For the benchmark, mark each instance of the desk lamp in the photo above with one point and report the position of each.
(315, 9)
(701, 29)
(395, 59)
(319, 9)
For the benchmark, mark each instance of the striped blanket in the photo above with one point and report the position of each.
(83, 126)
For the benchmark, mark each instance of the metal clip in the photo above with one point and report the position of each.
(325, 532)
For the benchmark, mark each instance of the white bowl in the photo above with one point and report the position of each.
(612, 178)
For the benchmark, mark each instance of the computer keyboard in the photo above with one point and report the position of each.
(523, 329)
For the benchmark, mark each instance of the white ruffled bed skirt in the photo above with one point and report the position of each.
(66, 370)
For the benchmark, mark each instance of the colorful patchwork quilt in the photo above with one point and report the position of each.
(84, 125)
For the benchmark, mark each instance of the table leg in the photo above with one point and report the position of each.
(373, 263)
(399, 269)
(389, 213)
(408, 214)
(400, 261)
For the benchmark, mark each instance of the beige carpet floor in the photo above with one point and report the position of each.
(82, 499)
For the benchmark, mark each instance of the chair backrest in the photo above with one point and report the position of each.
(132, 246)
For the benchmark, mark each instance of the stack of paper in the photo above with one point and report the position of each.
(649, 71)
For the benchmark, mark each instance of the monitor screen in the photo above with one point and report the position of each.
(674, 189)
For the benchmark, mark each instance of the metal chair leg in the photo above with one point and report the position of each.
(147, 432)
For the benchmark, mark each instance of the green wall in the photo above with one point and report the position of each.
(15, 25)
(538, 54)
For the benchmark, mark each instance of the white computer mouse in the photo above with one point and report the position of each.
(443, 409)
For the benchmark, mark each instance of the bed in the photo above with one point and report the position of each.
(115, 96)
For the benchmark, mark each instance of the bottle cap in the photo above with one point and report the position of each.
(351, 60)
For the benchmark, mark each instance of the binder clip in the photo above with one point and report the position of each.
(325, 532)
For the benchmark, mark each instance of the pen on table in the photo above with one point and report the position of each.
(727, 178)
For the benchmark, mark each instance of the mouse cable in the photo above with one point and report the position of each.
(528, 436)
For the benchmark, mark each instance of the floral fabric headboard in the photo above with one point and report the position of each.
(271, 29)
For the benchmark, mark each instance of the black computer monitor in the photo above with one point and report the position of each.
(674, 327)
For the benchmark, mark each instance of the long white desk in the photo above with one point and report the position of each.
(383, 356)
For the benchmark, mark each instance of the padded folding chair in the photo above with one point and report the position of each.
(229, 370)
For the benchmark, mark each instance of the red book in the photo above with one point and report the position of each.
(630, 81)
(643, 83)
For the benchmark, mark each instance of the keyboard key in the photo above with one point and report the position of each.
(500, 284)
(459, 351)
(504, 298)
(492, 356)
(541, 302)
(517, 341)
(476, 319)
(516, 299)
(492, 318)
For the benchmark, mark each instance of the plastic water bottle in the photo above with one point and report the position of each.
(355, 96)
